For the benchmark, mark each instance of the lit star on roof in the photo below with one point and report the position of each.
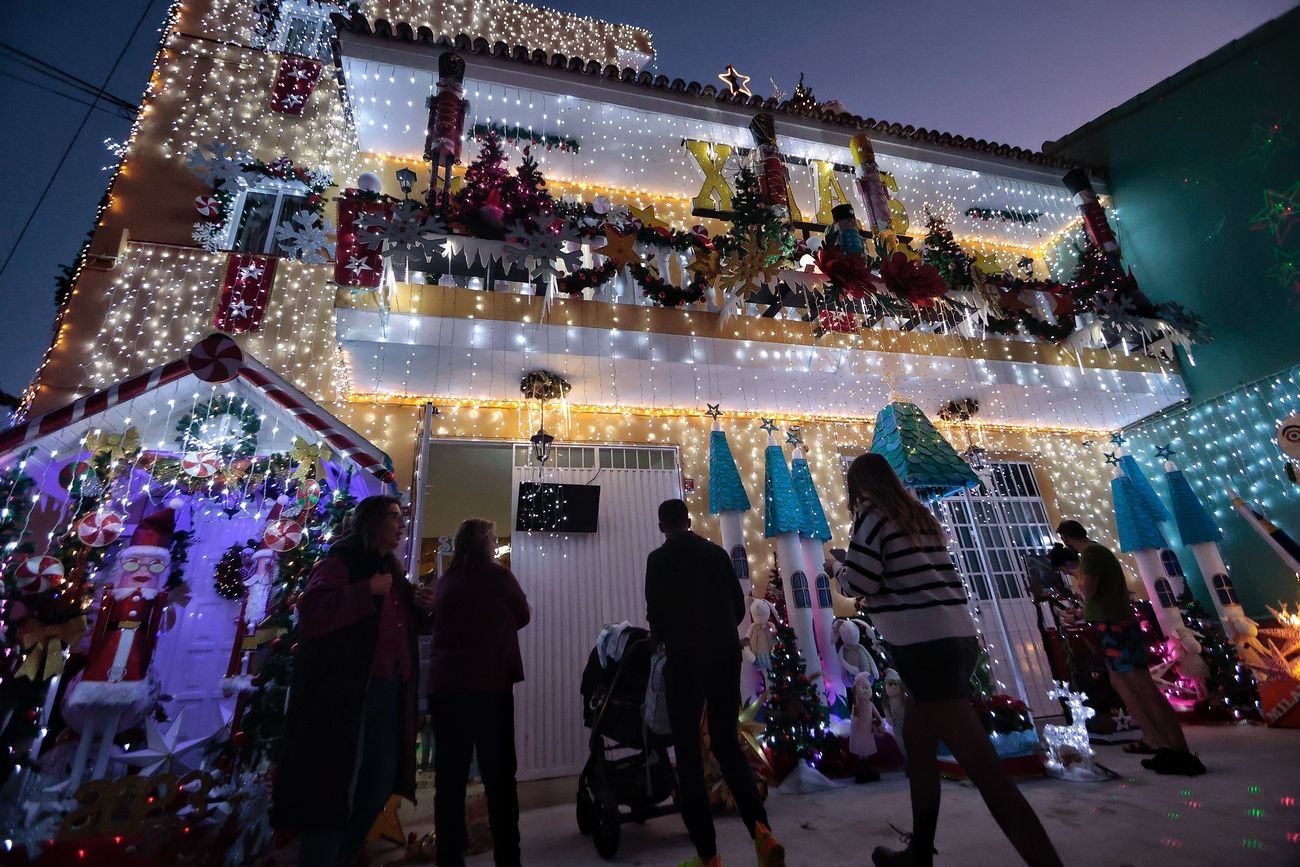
(737, 82)
(714, 410)
(1164, 452)
(768, 425)
(1111, 459)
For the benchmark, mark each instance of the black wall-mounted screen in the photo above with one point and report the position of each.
(549, 508)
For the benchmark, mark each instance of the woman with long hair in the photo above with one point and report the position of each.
(351, 718)
(478, 610)
(898, 560)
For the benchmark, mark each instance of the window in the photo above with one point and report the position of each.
(823, 591)
(1165, 593)
(258, 210)
(1224, 590)
(1009, 515)
(1169, 560)
(799, 583)
(303, 28)
(740, 562)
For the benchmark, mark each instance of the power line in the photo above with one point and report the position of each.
(64, 77)
(63, 159)
(115, 112)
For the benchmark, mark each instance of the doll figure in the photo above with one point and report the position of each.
(866, 719)
(760, 635)
(895, 706)
(854, 658)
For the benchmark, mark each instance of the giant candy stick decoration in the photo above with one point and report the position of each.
(1094, 218)
(1277, 538)
(447, 110)
(812, 537)
(782, 520)
(870, 184)
(1198, 531)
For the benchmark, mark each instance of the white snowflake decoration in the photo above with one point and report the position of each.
(209, 236)
(320, 177)
(218, 162)
(305, 237)
(405, 234)
(546, 249)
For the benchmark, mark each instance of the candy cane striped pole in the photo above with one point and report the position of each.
(22, 434)
(318, 420)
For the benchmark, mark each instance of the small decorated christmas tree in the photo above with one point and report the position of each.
(479, 205)
(944, 253)
(756, 226)
(797, 721)
(803, 98)
(229, 577)
(526, 195)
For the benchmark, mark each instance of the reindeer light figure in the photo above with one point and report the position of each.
(1065, 743)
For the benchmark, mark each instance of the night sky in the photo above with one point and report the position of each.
(1013, 71)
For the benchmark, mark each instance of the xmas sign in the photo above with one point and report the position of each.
(245, 291)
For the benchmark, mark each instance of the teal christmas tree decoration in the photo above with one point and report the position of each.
(1137, 529)
(1147, 498)
(925, 461)
(1194, 523)
(726, 491)
(782, 511)
(814, 516)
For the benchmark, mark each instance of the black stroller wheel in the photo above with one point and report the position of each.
(605, 832)
(586, 810)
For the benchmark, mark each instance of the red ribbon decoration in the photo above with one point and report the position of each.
(245, 291)
(294, 82)
(356, 264)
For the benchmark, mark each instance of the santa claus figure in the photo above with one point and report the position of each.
(117, 686)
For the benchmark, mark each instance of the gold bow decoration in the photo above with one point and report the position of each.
(43, 644)
(309, 457)
(118, 446)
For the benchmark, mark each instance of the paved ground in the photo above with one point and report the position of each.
(1246, 811)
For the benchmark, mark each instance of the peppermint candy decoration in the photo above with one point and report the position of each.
(76, 471)
(216, 358)
(201, 465)
(99, 529)
(308, 494)
(1288, 435)
(207, 206)
(38, 574)
(282, 535)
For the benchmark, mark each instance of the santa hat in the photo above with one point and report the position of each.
(153, 535)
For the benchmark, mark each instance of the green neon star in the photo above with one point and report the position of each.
(1269, 139)
(1279, 212)
(1286, 268)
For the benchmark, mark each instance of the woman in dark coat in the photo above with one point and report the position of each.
(478, 611)
(349, 735)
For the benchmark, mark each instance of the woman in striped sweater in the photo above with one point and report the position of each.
(898, 560)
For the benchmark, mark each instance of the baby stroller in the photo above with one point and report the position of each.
(629, 764)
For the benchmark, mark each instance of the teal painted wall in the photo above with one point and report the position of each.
(1190, 166)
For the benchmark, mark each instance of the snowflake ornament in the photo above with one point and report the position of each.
(546, 249)
(218, 162)
(209, 236)
(406, 232)
(304, 237)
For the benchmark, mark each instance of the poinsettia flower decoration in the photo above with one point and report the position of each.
(911, 280)
(848, 271)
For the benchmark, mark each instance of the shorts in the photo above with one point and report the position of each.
(1123, 645)
(938, 670)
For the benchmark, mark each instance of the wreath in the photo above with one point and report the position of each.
(194, 428)
(586, 278)
(664, 293)
(544, 385)
(959, 410)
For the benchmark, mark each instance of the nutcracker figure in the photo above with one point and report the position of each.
(1094, 217)
(251, 613)
(772, 177)
(118, 685)
(447, 111)
(870, 184)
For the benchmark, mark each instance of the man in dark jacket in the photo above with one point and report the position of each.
(694, 606)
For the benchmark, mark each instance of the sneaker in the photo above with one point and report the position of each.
(769, 849)
(715, 861)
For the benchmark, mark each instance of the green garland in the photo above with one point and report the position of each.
(191, 427)
(512, 134)
(664, 293)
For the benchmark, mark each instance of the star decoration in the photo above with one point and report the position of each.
(736, 82)
(1279, 212)
(1164, 452)
(751, 729)
(1111, 459)
(251, 271)
(619, 246)
(794, 436)
(239, 307)
(646, 216)
(714, 410)
(707, 263)
(768, 425)
(752, 267)
(1086, 443)
(388, 825)
(1118, 438)
(357, 266)
(1286, 268)
(1269, 139)
(162, 747)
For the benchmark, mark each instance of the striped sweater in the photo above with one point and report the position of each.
(911, 587)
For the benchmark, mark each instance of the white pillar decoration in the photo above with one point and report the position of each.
(812, 539)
